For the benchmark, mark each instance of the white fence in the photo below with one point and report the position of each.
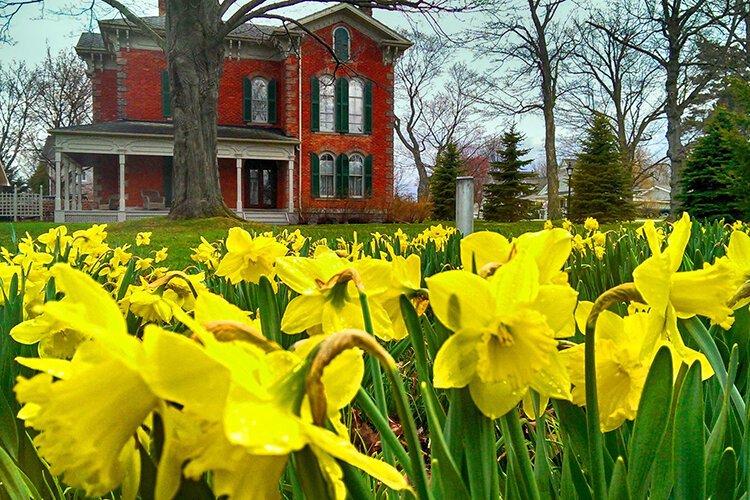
(17, 205)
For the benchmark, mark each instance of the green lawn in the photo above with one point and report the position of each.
(180, 236)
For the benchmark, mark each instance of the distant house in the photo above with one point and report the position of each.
(3, 177)
(540, 195)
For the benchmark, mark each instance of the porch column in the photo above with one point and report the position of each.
(66, 193)
(80, 187)
(121, 214)
(239, 186)
(76, 188)
(58, 166)
(290, 184)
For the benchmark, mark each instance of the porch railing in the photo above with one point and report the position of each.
(17, 205)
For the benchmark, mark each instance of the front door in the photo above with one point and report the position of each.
(261, 184)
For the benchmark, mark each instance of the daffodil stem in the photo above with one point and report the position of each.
(375, 374)
(517, 443)
(380, 421)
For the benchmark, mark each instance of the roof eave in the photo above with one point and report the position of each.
(64, 131)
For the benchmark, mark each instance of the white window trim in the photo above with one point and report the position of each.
(333, 175)
(253, 100)
(348, 42)
(361, 175)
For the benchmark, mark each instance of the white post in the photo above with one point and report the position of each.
(41, 202)
(15, 202)
(465, 205)
(66, 193)
(239, 186)
(79, 190)
(121, 214)
(59, 217)
(290, 184)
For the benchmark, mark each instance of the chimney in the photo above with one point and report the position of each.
(162, 8)
(366, 9)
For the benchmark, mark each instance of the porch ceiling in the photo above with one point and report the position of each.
(156, 139)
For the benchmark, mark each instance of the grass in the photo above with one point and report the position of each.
(181, 236)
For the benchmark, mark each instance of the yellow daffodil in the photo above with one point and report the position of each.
(548, 224)
(328, 288)
(142, 239)
(623, 359)
(56, 238)
(206, 253)
(567, 225)
(148, 305)
(503, 343)
(406, 280)
(483, 251)
(161, 255)
(591, 224)
(249, 258)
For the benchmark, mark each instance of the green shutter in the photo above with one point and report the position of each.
(315, 175)
(166, 96)
(342, 105)
(342, 176)
(368, 176)
(314, 104)
(247, 99)
(272, 101)
(368, 107)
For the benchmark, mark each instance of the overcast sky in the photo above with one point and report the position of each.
(34, 29)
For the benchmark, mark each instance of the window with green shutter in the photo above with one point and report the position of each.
(272, 101)
(166, 96)
(342, 176)
(368, 176)
(368, 107)
(342, 105)
(314, 104)
(315, 175)
(341, 43)
(247, 99)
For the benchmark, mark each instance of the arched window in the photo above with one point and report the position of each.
(341, 43)
(260, 100)
(327, 176)
(356, 175)
(356, 106)
(327, 103)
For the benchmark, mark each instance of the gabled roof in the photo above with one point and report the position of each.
(332, 14)
(3, 178)
(247, 30)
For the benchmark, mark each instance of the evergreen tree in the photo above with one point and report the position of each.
(443, 183)
(715, 178)
(504, 194)
(600, 184)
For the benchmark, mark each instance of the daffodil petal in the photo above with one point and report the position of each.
(456, 361)
(495, 399)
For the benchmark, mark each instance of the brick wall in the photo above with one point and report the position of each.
(366, 61)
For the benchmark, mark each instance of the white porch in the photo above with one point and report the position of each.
(124, 140)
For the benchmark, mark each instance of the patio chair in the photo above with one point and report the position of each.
(111, 202)
(153, 200)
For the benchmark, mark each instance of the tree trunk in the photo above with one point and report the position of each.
(673, 111)
(423, 188)
(195, 58)
(553, 183)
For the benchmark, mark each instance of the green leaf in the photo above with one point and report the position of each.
(12, 477)
(717, 438)
(618, 486)
(478, 434)
(270, 320)
(650, 423)
(689, 440)
(573, 484)
(8, 428)
(449, 482)
(726, 476)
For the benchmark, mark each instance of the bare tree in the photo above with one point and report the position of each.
(612, 78)
(65, 94)
(19, 91)
(439, 106)
(671, 33)
(530, 42)
(193, 40)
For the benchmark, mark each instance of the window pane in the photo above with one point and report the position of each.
(356, 106)
(326, 185)
(356, 170)
(260, 101)
(327, 106)
(341, 44)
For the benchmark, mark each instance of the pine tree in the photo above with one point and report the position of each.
(600, 184)
(443, 183)
(714, 180)
(504, 195)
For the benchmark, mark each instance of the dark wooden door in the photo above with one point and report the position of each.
(260, 184)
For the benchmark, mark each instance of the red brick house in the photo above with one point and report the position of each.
(298, 137)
